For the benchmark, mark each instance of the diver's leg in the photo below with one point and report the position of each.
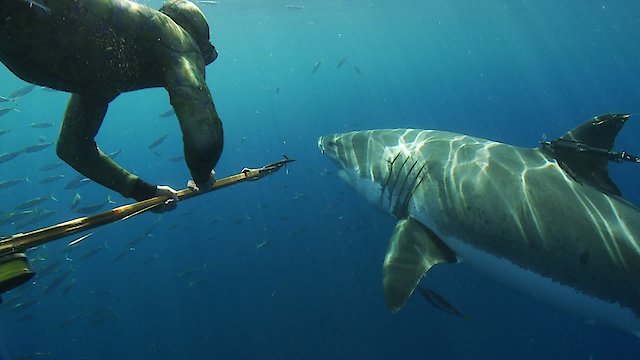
(77, 146)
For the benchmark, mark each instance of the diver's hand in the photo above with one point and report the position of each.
(206, 186)
(171, 203)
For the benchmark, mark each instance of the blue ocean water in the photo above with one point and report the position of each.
(290, 266)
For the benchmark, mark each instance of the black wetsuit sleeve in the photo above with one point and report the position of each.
(199, 121)
(77, 147)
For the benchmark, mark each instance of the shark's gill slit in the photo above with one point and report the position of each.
(391, 190)
(417, 180)
(389, 172)
(399, 210)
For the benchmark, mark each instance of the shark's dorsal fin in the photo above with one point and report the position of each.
(585, 151)
(413, 250)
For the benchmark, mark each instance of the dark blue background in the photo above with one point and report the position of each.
(512, 71)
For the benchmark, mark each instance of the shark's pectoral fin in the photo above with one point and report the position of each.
(412, 251)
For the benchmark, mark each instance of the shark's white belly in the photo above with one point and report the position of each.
(545, 288)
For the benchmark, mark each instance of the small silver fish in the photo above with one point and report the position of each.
(51, 166)
(191, 271)
(91, 253)
(12, 182)
(5, 111)
(26, 89)
(37, 147)
(42, 125)
(36, 216)
(35, 201)
(167, 113)
(157, 142)
(24, 305)
(68, 288)
(114, 154)
(77, 182)
(120, 256)
(56, 282)
(80, 239)
(316, 66)
(71, 319)
(207, 2)
(9, 156)
(76, 201)
(341, 62)
(196, 282)
(50, 179)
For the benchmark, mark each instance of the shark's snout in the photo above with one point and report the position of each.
(320, 144)
(327, 145)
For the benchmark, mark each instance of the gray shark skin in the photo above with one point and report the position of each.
(547, 220)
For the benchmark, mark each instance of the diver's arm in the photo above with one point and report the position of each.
(77, 147)
(199, 121)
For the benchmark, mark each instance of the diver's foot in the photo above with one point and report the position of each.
(206, 186)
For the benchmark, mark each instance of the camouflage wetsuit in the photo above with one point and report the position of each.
(97, 49)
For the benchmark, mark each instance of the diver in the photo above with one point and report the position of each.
(97, 50)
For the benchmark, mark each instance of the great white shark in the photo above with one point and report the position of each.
(548, 220)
